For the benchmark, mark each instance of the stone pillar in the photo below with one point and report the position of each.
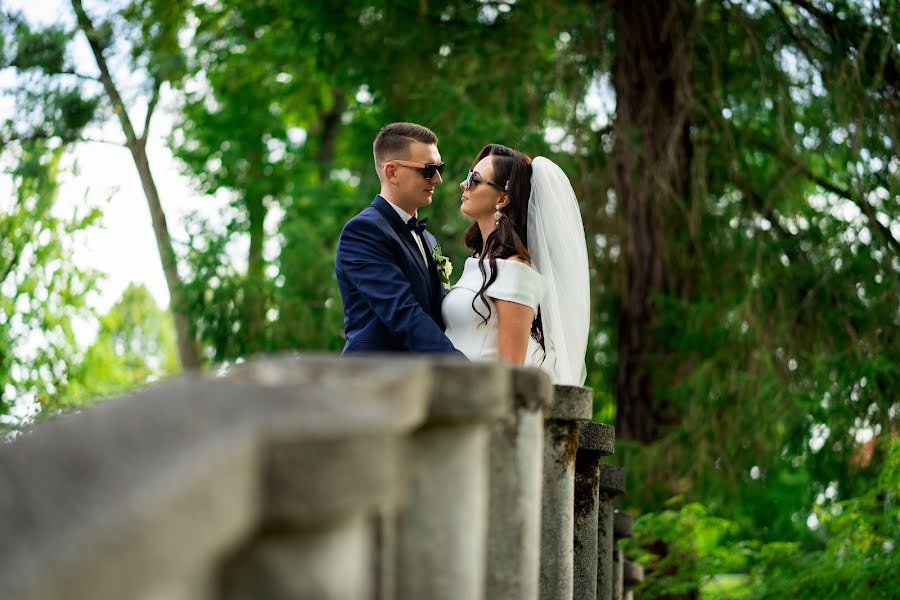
(442, 533)
(612, 484)
(322, 490)
(385, 558)
(617, 584)
(596, 440)
(622, 526)
(516, 466)
(570, 405)
(633, 575)
(146, 496)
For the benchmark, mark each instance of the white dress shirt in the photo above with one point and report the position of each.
(406, 217)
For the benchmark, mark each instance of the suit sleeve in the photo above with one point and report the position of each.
(363, 258)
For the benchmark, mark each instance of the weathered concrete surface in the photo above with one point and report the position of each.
(596, 440)
(612, 480)
(612, 484)
(384, 559)
(587, 480)
(571, 403)
(442, 532)
(632, 576)
(516, 471)
(623, 525)
(324, 563)
(142, 496)
(622, 528)
(605, 550)
(597, 437)
(462, 391)
(561, 433)
(532, 389)
(618, 574)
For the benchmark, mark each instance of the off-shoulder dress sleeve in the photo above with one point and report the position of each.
(517, 282)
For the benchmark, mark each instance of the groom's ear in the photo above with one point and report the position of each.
(387, 172)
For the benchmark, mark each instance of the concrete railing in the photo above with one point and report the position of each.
(318, 477)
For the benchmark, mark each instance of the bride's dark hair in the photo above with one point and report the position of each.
(512, 170)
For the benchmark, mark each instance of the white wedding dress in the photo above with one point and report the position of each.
(559, 284)
(516, 282)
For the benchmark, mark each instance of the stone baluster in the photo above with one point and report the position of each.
(146, 496)
(622, 528)
(322, 490)
(441, 535)
(633, 575)
(596, 440)
(516, 466)
(612, 484)
(571, 404)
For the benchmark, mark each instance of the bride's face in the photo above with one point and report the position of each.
(479, 194)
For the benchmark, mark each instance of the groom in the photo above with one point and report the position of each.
(385, 262)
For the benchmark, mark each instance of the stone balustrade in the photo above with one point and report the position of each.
(596, 440)
(622, 528)
(632, 576)
(612, 485)
(319, 477)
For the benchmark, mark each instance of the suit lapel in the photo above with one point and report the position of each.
(434, 276)
(405, 235)
(430, 245)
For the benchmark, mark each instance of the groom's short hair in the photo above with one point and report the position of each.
(393, 141)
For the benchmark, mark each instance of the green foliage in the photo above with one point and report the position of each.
(853, 555)
(41, 291)
(43, 294)
(780, 319)
(43, 50)
(135, 345)
(281, 106)
(782, 323)
(49, 105)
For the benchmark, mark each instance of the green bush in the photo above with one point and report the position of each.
(687, 550)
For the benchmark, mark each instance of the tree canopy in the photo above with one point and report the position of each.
(737, 171)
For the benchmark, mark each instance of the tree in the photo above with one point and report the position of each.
(99, 39)
(135, 346)
(71, 99)
(282, 94)
(42, 292)
(651, 75)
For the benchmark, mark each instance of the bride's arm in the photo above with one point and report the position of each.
(514, 325)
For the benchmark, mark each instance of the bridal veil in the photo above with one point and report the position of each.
(559, 253)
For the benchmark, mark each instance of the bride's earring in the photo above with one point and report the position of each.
(497, 214)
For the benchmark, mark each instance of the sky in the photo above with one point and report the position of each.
(102, 174)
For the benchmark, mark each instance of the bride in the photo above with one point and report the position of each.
(523, 297)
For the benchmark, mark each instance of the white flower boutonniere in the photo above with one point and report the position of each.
(444, 266)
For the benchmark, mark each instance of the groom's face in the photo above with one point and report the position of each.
(413, 190)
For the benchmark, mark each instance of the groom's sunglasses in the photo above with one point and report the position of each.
(474, 179)
(427, 170)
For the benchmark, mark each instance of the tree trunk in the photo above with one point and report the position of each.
(651, 75)
(254, 294)
(188, 350)
(330, 126)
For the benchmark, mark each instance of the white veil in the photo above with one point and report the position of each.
(559, 253)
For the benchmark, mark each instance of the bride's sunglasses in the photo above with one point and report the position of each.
(474, 179)
(427, 170)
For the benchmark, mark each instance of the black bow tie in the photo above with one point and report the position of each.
(416, 225)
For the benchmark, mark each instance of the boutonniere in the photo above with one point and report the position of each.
(444, 266)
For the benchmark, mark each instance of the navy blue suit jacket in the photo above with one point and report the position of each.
(392, 296)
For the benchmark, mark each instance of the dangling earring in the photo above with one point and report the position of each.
(497, 214)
